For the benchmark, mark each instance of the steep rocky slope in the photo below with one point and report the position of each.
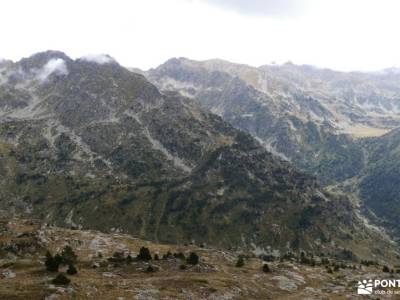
(292, 122)
(87, 143)
(378, 183)
(309, 117)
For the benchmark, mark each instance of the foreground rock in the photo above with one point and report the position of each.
(214, 277)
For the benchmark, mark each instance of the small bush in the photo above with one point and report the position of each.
(179, 255)
(182, 267)
(144, 254)
(287, 256)
(51, 263)
(58, 259)
(61, 279)
(325, 261)
(68, 256)
(118, 257)
(369, 263)
(266, 268)
(268, 258)
(150, 269)
(240, 262)
(129, 259)
(336, 268)
(168, 255)
(385, 269)
(193, 259)
(156, 257)
(72, 270)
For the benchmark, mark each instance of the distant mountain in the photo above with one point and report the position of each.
(296, 124)
(311, 117)
(87, 143)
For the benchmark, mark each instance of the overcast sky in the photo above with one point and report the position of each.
(339, 34)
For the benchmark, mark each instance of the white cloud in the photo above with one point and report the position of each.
(98, 58)
(339, 34)
(262, 7)
(53, 66)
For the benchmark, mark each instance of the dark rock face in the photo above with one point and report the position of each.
(95, 145)
(378, 184)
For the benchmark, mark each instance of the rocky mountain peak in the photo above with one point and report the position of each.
(40, 59)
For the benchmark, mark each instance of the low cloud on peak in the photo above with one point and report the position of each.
(53, 66)
(98, 58)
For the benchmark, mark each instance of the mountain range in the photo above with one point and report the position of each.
(263, 159)
(341, 127)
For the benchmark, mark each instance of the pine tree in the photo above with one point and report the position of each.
(68, 256)
(167, 255)
(51, 263)
(266, 268)
(385, 269)
(336, 268)
(72, 270)
(240, 262)
(58, 259)
(193, 259)
(144, 254)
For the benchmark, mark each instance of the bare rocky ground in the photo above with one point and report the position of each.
(23, 275)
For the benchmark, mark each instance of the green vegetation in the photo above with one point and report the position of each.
(240, 262)
(72, 270)
(61, 279)
(51, 263)
(385, 269)
(144, 254)
(68, 256)
(118, 258)
(180, 256)
(193, 259)
(150, 269)
(266, 268)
